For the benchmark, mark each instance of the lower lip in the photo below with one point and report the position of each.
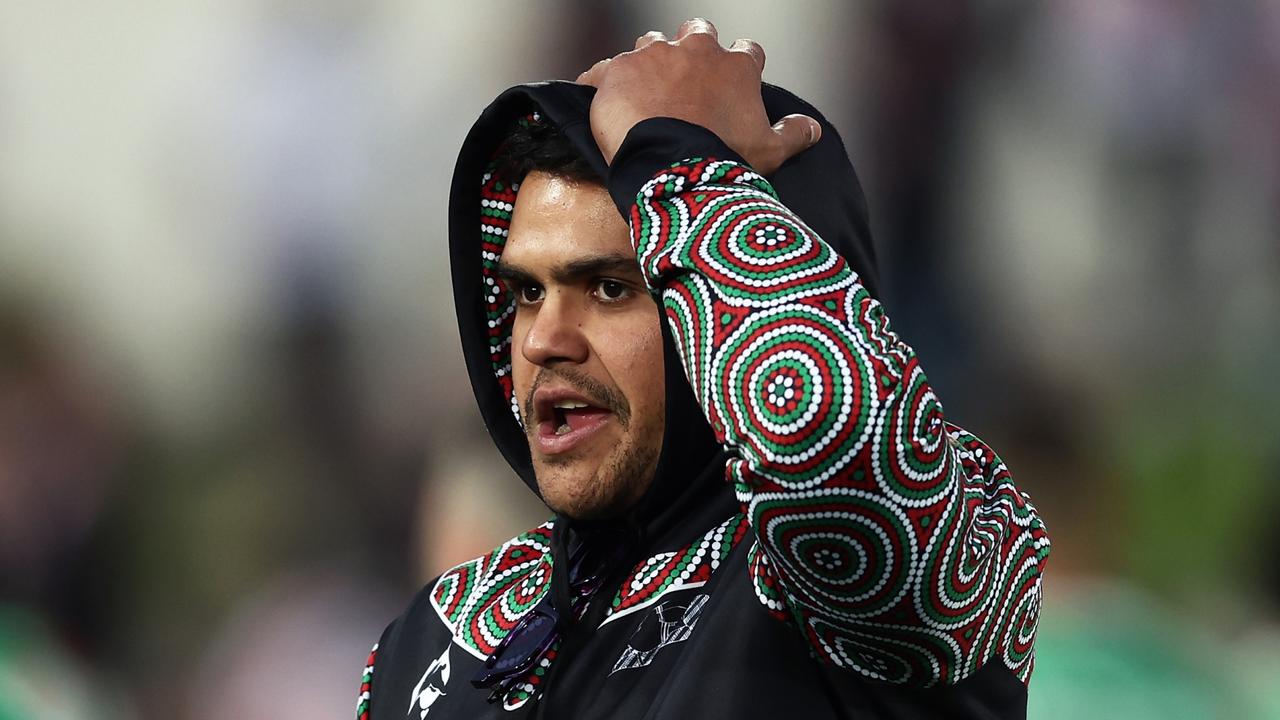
(549, 443)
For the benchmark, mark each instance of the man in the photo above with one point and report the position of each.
(863, 559)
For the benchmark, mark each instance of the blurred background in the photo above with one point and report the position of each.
(235, 429)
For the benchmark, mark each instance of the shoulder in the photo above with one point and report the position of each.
(466, 597)
(472, 605)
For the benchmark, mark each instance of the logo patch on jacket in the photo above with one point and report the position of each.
(431, 687)
(669, 623)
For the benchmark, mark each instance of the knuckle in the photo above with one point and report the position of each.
(743, 58)
(750, 47)
(703, 24)
(700, 38)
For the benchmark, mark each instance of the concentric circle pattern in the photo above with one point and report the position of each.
(896, 542)
(806, 438)
(839, 549)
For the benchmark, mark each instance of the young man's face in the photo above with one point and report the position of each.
(586, 356)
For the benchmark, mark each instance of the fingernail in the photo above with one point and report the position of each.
(813, 131)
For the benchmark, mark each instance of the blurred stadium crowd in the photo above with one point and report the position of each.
(235, 429)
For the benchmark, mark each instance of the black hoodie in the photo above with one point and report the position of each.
(885, 569)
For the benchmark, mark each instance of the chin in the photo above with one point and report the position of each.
(584, 491)
(581, 495)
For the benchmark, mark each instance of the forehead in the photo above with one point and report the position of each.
(556, 219)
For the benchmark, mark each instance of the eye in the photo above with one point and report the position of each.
(612, 290)
(529, 294)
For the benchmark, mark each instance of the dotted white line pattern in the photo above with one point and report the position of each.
(896, 542)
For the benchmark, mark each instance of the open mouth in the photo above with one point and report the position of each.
(564, 419)
(570, 415)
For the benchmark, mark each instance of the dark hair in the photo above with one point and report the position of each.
(541, 146)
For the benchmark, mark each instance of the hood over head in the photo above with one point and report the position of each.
(819, 185)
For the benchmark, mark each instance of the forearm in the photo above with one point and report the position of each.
(898, 544)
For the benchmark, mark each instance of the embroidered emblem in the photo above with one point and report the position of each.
(670, 623)
(431, 687)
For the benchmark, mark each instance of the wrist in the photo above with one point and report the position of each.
(654, 144)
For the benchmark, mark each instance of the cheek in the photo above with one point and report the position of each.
(638, 358)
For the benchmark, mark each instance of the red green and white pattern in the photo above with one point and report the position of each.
(531, 686)
(362, 700)
(689, 567)
(483, 599)
(896, 542)
(497, 203)
(498, 199)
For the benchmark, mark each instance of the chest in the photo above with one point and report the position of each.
(702, 650)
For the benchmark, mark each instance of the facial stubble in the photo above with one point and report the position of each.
(622, 475)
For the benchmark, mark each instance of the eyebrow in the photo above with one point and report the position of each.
(574, 270)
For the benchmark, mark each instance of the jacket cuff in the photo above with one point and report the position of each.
(654, 145)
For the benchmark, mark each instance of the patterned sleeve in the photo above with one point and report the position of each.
(895, 541)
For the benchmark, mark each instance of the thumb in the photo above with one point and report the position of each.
(795, 134)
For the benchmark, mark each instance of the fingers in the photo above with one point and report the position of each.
(750, 47)
(795, 133)
(650, 37)
(697, 26)
(592, 76)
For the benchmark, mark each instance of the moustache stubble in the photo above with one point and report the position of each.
(596, 392)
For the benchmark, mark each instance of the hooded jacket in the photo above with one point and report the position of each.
(817, 541)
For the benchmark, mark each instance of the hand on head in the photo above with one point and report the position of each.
(693, 78)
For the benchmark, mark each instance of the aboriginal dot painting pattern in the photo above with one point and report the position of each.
(689, 566)
(483, 599)
(497, 203)
(362, 701)
(896, 542)
(531, 686)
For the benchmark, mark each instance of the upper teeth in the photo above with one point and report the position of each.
(569, 405)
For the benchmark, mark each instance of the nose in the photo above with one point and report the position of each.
(555, 334)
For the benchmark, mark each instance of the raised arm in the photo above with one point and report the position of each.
(896, 542)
